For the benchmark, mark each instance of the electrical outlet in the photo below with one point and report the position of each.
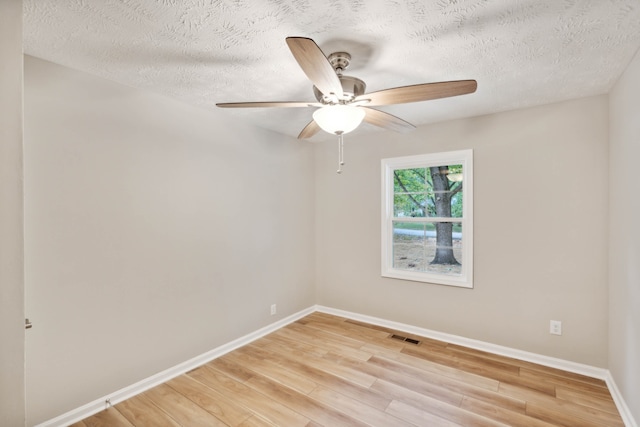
(555, 327)
(273, 309)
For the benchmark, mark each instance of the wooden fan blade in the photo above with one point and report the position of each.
(386, 120)
(315, 65)
(420, 92)
(281, 104)
(309, 130)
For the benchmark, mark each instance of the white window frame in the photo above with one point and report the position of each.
(463, 157)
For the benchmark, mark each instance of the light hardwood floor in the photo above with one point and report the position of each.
(325, 370)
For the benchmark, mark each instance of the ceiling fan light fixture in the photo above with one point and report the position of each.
(338, 119)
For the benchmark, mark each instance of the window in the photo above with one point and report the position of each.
(427, 218)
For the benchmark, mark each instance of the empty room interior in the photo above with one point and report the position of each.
(146, 231)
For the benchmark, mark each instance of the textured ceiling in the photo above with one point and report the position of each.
(521, 52)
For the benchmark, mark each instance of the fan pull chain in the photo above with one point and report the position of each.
(340, 151)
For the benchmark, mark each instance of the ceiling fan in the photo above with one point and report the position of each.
(341, 100)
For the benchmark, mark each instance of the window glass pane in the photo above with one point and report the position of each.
(441, 189)
(409, 180)
(447, 193)
(456, 200)
(428, 247)
(412, 204)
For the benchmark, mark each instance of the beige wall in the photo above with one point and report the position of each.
(540, 230)
(12, 391)
(624, 240)
(154, 232)
(135, 263)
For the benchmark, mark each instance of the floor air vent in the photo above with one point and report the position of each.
(405, 339)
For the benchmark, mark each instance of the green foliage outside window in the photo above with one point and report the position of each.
(414, 194)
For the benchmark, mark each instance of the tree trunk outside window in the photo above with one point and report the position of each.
(444, 230)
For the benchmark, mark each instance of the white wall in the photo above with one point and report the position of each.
(624, 239)
(155, 231)
(540, 230)
(12, 389)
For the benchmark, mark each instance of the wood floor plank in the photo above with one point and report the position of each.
(547, 371)
(406, 377)
(436, 368)
(560, 411)
(259, 404)
(323, 340)
(210, 400)
(497, 413)
(560, 415)
(349, 329)
(180, 408)
(255, 421)
(435, 407)
(416, 416)
(359, 334)
(424, 340)
(232, 369)
(142, 412)
(325, 370)
(110, 417)
(602, 402)
(345, 372)
(258, 362)
(475, 359)
(486, 371)
(564, 381)
(441, 387)
(308, 367)
(318, 315)
(336, 333)
(305, 405)
(366, 414)
(292, 345)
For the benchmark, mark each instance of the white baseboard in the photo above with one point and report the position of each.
(98, 405)
(552, 362)
(624, 410)
(161, 377)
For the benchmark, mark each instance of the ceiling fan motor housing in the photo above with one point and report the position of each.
(352, 87)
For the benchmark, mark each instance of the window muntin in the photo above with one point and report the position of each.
(427, 203)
